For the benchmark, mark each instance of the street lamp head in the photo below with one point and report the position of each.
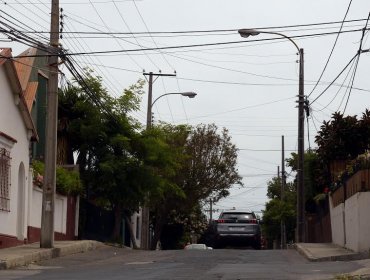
(189, 94)
(248, 32)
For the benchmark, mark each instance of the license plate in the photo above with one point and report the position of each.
(236, 228)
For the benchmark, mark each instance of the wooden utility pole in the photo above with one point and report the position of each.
(145, 238)
(48, 195)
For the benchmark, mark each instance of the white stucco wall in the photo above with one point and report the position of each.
(337, 225)
(354, 216)
(357, 209)
(35, 211)
(12, 124)
(60, 214)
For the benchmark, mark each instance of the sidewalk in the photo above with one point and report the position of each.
(319, 252)
(26, 254)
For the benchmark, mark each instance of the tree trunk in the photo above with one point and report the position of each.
(131, 230)
(157, 231)
(117, 222)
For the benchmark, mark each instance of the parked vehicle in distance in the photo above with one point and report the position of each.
(197, 247)
(238, 228)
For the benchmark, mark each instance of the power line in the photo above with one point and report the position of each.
(340, 73)
(146, 27)
(67, 3)
(332, 50)
(133, 36)
(207, 44)
(244, 108)
(106, 26)
(113, 86)
(340, 88)
(358, 59)
(210, 30)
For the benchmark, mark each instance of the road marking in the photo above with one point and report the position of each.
(139, 263)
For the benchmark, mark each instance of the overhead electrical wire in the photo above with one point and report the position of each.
(332, 50)
(182, 100)
(206, 31)
(80, 47)
(223, 82)
(67, 3)
(340, 88)
(206, 44)
(79, 78)
(117, 41)
(13, 30)
(155, 43)
(23, 15)
(111, 85)
(133, 35)
(105, 35)
(357, 61)
(244, 108)
(106, 79)
(348, 87)
(331, 83)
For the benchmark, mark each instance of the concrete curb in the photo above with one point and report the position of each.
(29, 254)
(340, 256)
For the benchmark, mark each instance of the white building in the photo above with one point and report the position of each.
(16, 133)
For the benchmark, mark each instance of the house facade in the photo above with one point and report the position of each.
(22, 138)
(17, 131)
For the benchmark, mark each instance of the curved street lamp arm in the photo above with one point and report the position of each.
(282, 35)
(162, 96)
(253, 32)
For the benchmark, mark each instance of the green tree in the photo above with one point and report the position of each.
(104, 137)
(208, 169)
(278, 210)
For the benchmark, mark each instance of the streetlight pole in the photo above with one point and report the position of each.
(300, 229)
(145, 239)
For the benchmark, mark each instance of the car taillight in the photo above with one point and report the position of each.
(254, 221)
(220, 221)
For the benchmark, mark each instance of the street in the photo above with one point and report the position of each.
(229, 264)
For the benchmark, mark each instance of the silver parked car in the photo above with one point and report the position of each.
(238, 228)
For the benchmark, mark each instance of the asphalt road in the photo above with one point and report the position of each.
(110, 263)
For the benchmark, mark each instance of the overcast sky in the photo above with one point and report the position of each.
(248, 86)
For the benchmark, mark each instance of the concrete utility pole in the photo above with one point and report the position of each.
(301, 236)
(282, 195)
(48, 195)
(300, 228)
(145, 238)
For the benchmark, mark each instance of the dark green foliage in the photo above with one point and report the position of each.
(67, 181)
(207, 167)
(171, 168)
(277, 210)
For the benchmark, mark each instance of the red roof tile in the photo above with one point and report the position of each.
(29, 94)
(24, 66)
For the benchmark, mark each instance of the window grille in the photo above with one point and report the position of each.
(4, 179)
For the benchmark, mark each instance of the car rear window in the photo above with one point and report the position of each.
(237, 216)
